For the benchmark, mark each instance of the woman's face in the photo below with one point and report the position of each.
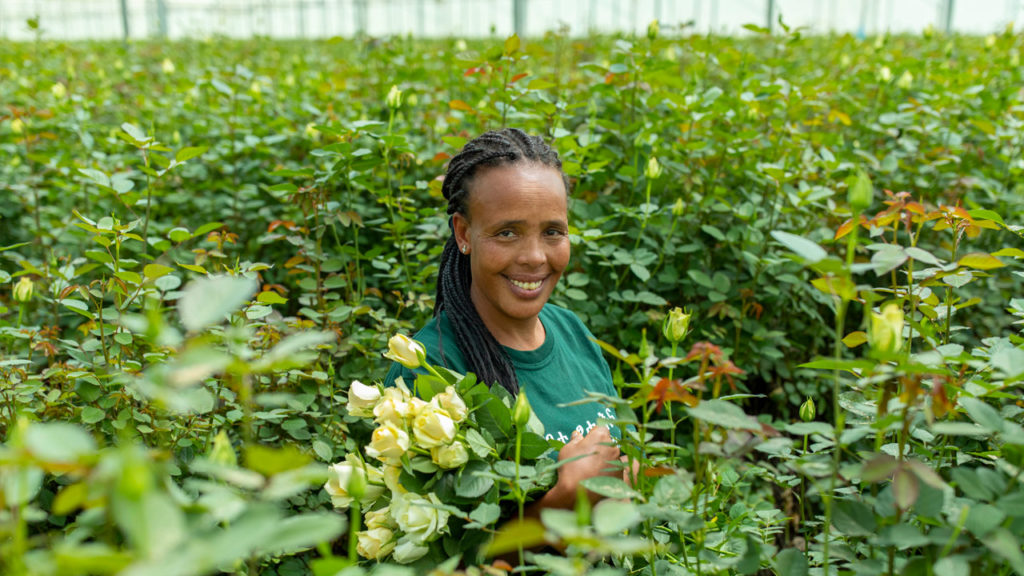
(517, 231)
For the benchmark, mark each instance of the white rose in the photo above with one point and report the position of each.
(388, 443)
(392, 407)
(362, 399)
(451, 456)
(452, 403)
(408, 551)
(375, 543)
(380, 518)
(404, 350)
(418, 516)
(433, 427)
(391, 475)
(353, 472)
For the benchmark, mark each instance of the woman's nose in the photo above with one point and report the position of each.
(532, 252)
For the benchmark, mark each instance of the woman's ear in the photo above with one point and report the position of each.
(460, 227)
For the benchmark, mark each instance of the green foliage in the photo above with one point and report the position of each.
(203, 243)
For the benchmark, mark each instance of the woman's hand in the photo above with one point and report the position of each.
(593, 455)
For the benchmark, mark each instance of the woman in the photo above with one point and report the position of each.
(508, 202)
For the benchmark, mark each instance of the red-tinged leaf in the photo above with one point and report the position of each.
(671, 391)
(926, 474)
(905, 488)
(471, 71)
(518, 77)
(980, 261)
(460, 105)
(655, 471)
(879, 468)
(915, 208)
(844, 229)
(294, 261)
(441, 157)
(277, 223)
(609, 78)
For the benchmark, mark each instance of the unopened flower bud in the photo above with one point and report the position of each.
(884, 74)
(860, 193)
(808, 410)
(676, 325)
(167, 66)
(23, 289)
(906, 80)
(653, 29)
(394, 98)
(521, 410)
(653, 170)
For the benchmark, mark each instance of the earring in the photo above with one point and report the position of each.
(465, 249)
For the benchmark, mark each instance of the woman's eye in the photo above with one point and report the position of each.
(505, 234)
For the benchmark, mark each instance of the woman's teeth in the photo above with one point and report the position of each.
(525, 285)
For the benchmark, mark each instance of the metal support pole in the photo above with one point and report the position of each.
(770, 14)
(519, 17)
(947, 20)
(124, 19)
(161, 18)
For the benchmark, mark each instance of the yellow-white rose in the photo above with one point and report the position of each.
(405, 351)
(452, 403)
(362, 399)
(380, 518)
(419, 517)
(375, 543)
(388, 444)
(344, 476)
(408, 551)
(393, 406)
(391, 475)
(451, 456)
(886, 329)
(433, 427)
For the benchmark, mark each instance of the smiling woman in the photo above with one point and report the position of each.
(508, 200)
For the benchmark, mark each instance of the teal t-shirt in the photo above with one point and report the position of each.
(562, 370)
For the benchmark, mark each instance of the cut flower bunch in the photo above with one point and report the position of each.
(441, 465)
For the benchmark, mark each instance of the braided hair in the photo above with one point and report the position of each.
(509, 146)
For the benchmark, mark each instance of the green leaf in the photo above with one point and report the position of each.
(209, 300)
(887, 258)
(302, 532)
(533, 445)
(207, 228)
(986, 416)
(485, 514)
(179, 234)
(952, 566)
(725, 414)
(612, 517)
(152, 271)
(477, 443)
(271, 297)
(853, 518)
(609, 487)
(471, 483)
(808, 251)
(791, 562)
(92, 415)
(58, 442)
(1005, 544)
(189, 153)
(526, 533)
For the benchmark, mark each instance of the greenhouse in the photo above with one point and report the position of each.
(613, 287)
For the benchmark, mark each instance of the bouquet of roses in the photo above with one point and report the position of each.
(445, 462)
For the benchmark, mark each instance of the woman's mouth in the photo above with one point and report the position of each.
(528, 286)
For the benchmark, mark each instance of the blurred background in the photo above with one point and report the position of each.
(107, 19)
